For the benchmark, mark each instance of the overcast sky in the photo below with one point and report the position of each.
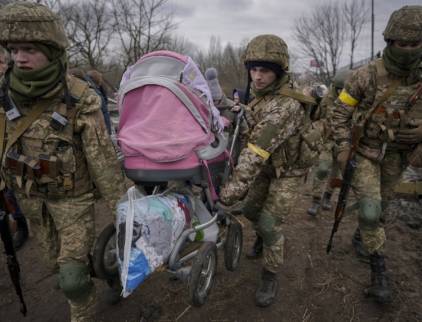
(236, 20)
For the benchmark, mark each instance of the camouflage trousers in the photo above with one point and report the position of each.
(373, 184)
(327, 168)
(64, 230)
(268, 203)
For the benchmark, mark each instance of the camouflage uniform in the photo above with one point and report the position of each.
(326, 167)
(381, 157)
(55, 168)
(269, 172)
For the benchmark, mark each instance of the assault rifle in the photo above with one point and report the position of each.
(12, 261)
(346, 183)
(239, 115)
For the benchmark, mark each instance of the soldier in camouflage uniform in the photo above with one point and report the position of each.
(270, 166)
(56, 150)
(376, 97)
(326, 167)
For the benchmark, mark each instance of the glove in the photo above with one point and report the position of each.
(342, 157)
(410, 136)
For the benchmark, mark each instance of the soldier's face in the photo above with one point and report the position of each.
(3, 64)
(262, 77)
(27, 56)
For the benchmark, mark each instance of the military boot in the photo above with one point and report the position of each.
(313, 210)
(358, 246)
(326, 201)
(379, 289)
(257, 248)
(267, 289)
(21, 234)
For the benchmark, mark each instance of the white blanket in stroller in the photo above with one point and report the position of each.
(147, 230)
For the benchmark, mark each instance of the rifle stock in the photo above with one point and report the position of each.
(12, 261)
(346, 183)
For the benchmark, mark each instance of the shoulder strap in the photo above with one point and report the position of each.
(25, 122)
(308, 100)
(77, 86)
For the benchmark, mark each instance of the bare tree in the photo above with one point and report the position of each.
(321, 37)
(228, 62)
(142, 26)
(89, 28)
(181, 45)
(356, 17)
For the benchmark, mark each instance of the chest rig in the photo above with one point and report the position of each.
(41, 153)
(298, 152)
(394, 111)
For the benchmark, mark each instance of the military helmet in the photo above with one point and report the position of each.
(340, 78)
(31, 22)
(405, 24)
(268, 48)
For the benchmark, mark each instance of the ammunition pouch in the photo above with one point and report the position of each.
(48, 175)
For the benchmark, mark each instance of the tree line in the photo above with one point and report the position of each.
(109, 35)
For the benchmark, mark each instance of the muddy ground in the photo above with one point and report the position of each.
(313, 286)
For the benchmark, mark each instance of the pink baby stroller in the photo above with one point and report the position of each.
(169, 130)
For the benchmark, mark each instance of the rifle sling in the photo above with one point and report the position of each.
(26, 121)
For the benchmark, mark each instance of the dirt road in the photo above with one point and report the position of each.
(313, 286)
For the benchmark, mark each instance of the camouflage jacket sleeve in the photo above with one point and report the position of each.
(281, 118)
(345, 105)
(103, 166)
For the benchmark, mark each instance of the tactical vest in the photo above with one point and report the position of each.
(47, 160)
(393, 114)
(294, 156)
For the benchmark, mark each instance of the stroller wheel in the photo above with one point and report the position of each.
(233, 246)
(104, 257)
(202, 273)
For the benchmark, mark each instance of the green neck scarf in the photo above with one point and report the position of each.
(25, 86)
(401, 62)
(272, 88)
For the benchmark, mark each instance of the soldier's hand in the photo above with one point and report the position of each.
(342, 157)
(410, 136)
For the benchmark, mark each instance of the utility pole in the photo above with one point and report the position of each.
(372, 29)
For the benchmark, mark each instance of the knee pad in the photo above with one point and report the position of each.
(266, 229)
(75, 280)
(369, 213)
(323, 169)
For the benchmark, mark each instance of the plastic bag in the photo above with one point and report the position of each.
(147, 230)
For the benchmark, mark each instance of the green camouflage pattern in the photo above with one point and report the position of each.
(373, 179)
(269, 188)
(64, 231)
(62, 216)
(268, 48)
(31, 22)
(83, 149)
(367, 85)
(405, 24)
(283, 194)
(376, 181)
(326, 166)
(286, 116)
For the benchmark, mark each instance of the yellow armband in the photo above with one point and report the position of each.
(257, 150)
(347, 99)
